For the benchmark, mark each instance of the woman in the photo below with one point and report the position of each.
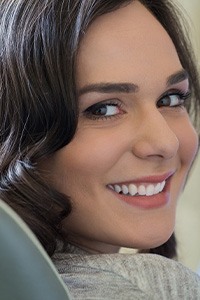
(96, 138)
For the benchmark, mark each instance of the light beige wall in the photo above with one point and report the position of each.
(188, 218)
(192, 8)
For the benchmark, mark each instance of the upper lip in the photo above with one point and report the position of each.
(148, 179)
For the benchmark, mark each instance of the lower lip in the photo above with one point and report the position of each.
(148, 202)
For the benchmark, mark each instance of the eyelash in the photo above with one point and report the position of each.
(90, 111)
(183, 96)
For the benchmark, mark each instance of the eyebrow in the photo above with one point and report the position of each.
(177, 77)
(107, 87)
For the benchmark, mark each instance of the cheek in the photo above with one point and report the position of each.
(93, 153)
(188, 147)
(188, 139)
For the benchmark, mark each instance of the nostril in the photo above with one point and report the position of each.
(153, 145)
(156, 135)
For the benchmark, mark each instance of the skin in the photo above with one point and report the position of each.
(139, 139)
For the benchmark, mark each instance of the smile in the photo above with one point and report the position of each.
(143, 189)
(149, 192)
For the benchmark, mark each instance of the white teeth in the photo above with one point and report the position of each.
(162, 185)
(125, 189)
(132, 189)
(150, 190)
(117, 188)
(111, 187)
(141, 190)
(157, 188)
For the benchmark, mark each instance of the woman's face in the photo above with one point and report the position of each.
(134, 145)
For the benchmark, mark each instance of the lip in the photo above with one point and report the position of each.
(148, 202)
(147, 179)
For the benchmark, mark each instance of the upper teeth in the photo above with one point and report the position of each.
(142, 189)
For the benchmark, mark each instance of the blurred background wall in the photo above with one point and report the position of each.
(188, 217)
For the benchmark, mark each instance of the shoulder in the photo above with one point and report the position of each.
(127, 275)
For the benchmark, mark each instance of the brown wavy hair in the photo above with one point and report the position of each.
(39, 41)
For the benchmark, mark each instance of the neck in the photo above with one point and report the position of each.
(91, 246)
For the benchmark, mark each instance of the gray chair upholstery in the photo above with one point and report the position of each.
(26, 271)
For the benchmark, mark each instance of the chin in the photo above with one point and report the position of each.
(157, 241)
(152, 240)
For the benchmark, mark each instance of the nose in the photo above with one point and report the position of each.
(155, 137)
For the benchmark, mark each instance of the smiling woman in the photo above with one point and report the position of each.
(96, 135)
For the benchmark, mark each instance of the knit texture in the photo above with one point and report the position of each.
(125, 276)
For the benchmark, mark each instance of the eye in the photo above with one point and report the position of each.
(104, 110)
(173, 100)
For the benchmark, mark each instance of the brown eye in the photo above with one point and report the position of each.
(173, 100)
(107, 110)
(100, 111)
(103, 110)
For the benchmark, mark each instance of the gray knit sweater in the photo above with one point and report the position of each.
(125, 276)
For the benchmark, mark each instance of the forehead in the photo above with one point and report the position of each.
(125, 43)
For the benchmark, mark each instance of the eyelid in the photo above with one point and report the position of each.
(88, 112)
(185, 94)
(112, 101)
(182, 97)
